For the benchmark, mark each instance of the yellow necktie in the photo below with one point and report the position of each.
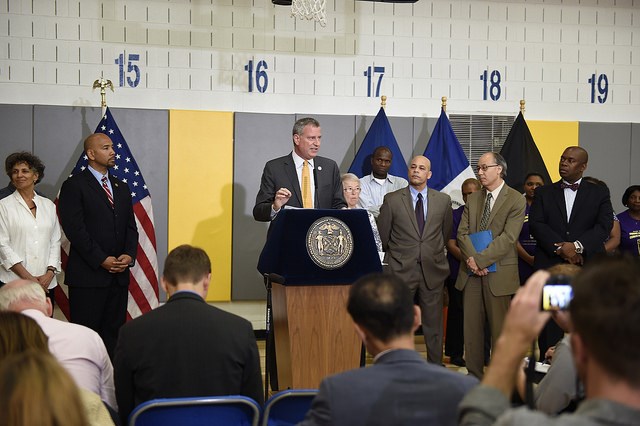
(307, 202)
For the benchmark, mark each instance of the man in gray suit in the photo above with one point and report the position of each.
(300, 179)
(415, 224)
(499, 209)
(400, 388)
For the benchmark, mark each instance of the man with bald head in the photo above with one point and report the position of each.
(96, 215)
(570, 221)
(415, 224)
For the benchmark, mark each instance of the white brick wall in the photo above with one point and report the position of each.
(545, 51)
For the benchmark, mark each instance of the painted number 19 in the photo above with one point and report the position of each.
(491, 86)
(603, 88)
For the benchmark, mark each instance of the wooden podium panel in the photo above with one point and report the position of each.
(314, 334)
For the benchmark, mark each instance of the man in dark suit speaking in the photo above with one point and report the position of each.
(186, 347)
(400, 388)
(300, 179)
(96, 215)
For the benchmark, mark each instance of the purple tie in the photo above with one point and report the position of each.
(571, 186)
(420, 213)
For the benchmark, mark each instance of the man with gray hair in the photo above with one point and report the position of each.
(486, 295)
(79, 349)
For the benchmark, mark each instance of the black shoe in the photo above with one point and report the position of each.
(459, 361)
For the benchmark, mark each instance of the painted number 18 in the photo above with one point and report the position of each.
(491, 86)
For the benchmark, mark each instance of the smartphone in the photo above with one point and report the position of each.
(557, 293)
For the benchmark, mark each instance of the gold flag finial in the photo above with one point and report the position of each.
(444, 103)
(103, 84)
(383, 101)
(522, 106)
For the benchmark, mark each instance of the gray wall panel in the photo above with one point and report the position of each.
(609, 148)
(634, 160)
(257, 139)
(16, 122)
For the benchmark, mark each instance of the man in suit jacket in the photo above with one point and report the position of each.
(570, 220)
(486, 295)
(96, 215)
(415, 224)
(282, 179)
(186, 347)
(400, 388)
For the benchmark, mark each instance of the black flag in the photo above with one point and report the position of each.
(522, 155)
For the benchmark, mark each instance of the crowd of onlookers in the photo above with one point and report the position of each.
(84, 372)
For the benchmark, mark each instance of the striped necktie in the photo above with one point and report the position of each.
(307, 201)
(486, 213)
(106, 190)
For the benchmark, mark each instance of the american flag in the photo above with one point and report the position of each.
(143, 284)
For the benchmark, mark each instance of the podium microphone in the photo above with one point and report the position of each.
(315, 188)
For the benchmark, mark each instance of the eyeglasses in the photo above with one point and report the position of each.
(352, 190)
(484, 167)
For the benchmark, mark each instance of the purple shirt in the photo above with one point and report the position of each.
(629, 234)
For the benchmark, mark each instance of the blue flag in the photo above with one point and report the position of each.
(449, 166)
(379, 134)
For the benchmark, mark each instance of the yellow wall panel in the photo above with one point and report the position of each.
(552, 137)
(200, 189)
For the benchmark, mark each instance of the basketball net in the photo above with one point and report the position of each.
(310, 9)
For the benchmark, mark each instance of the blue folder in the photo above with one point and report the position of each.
(481, 241)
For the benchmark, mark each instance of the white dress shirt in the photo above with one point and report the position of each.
(81, 352)
(34, 241)
(372, 191)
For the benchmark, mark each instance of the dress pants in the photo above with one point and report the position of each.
(102, 309)
(481, 305)
(454, 343)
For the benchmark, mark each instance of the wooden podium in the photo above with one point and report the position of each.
(314, 334)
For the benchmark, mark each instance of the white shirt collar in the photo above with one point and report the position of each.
(298, 161)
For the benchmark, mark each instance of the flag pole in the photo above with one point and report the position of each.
(103, 84)
(383, 101)
(444, 103)
(522, 106)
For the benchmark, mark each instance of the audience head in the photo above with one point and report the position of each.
(36, 390)
(605, 312)
(631, 198)
(19, 295)
(469, 186)
(573, 163)
(17, 160)
(19, 333)
(531, 182)
(595, 181)
(187, 266)
(351, 189)
(381, 162)
(382, 305)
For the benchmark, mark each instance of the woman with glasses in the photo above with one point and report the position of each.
(351, 192)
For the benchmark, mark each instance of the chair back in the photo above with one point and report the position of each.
(287, 407)
(234, 410)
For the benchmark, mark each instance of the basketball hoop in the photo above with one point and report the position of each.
(310, 9)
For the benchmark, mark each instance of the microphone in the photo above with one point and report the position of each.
(315, 188)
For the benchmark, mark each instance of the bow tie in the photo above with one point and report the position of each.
(571, 186)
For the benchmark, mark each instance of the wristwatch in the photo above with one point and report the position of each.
(578, 247)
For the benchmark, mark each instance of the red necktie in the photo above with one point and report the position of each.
(106, 189)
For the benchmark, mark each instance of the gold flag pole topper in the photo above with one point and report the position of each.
(103, 84)
(444, 103)
(522, 106)
(383, 101)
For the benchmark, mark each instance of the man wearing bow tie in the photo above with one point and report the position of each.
(570, 221)
(572, 218)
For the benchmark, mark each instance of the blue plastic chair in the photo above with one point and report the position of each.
(234, 410)
(287, 407)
